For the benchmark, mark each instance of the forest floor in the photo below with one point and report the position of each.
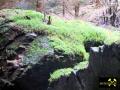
(89, 13)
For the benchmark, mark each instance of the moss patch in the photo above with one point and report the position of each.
(68, 36)
(36, 50)
(67, 71)
(59, 73)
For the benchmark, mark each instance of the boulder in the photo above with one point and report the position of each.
(104, 62)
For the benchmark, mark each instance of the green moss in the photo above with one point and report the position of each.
(36, 47)
(81, 66)
(68, 36)
(30, 20)
(59, 73)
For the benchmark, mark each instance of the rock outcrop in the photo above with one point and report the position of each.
(27, 60)
(17, 70)
(104, 61)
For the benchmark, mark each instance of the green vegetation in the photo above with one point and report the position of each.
(81, 66)
(59, 73)
(67, 71)
(68, 36)
(35, 51)
(30, 20)
(36, 47)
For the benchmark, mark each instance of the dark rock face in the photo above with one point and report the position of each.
(89, 44)
(36, 78)
(21, 77)
(9, 36)
(67, 83)
(78, 81)
(104, 61)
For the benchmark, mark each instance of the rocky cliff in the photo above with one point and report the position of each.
(104, 61)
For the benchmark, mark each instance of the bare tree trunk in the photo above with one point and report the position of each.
(63, 8)
(39, 5)
(112, 19)
(44, 10)
(77, 7)
(44, 19)
(111, 13)
(97, 3)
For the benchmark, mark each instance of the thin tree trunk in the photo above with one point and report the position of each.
(39, 6)
(63, 8)
(97, 3)
(77, 7)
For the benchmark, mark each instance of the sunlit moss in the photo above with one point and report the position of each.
(68, 36)
(59, 73)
